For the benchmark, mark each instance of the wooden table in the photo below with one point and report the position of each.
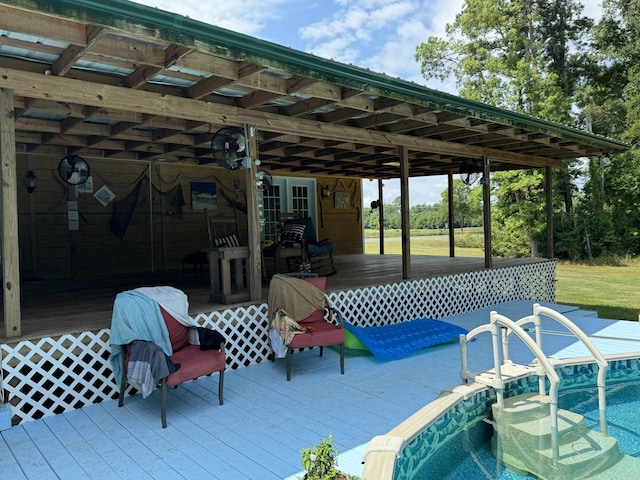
(221, 261)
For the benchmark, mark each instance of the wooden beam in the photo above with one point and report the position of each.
(381, 215)
(9, 197)
(486, 207)
(452, 236)
(255, 252)
(548, 185)
(73, 53)
(404, 212)
(63, 89)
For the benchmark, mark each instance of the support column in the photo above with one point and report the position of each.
(404, 212)
(381, 216)
(486, 208)
(452, 230)
(548, 190)
(254, 268)
(10, 246)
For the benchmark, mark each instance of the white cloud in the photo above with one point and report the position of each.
(357, 25)
(245, 16)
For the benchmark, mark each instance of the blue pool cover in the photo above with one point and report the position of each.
(401, 339)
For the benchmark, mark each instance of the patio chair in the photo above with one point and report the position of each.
(296, 230)
(301, 316)
(152, 347)
(228, 261)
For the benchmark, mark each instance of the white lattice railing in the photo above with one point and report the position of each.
(51, 375)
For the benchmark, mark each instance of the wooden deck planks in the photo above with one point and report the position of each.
(60, 459)
(10, 457)
(260, 429)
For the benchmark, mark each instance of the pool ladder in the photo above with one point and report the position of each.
(501, 329)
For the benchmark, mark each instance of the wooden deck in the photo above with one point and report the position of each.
(264, 422)
(51, 308)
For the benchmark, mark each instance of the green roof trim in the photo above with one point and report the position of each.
(156, 23)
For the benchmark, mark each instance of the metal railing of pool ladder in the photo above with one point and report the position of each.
(501, 329)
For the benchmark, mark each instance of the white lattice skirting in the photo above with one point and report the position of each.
(51, 375)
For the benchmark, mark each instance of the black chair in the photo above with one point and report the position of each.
(318, 254)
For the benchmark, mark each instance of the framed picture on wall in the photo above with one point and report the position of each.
(342, 200)
(203, 195)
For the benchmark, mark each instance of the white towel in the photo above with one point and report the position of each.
(174, 301)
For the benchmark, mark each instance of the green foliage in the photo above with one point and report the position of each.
(622, 190)
(467, 206)
(320, 462)
(468, 240)
(426, 216)
(545, 59)
(528, 57)
(519, 213)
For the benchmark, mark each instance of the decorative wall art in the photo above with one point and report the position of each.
(104, 195)
(342, 199)
(85, 187)
(203, 195)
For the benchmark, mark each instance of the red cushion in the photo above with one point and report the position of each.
(195, 363)
(315, 317)
(322, 333)
(178, 335)
(318, 282)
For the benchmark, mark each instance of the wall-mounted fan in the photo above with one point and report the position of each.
(471, 171)
(229, 148)
(73, 169)
(264, 180)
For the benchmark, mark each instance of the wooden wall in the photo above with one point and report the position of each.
(160, 232)
(343, 225)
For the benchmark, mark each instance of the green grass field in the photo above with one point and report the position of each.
(612, 291)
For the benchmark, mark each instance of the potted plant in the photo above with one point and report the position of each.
(320, 462)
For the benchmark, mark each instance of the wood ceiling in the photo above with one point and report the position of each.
(111, 84)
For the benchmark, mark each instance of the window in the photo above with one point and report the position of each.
(287, 194)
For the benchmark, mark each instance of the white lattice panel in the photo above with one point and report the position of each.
(51, 375)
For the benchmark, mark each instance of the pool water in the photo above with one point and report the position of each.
(468, 454)
(623, 414)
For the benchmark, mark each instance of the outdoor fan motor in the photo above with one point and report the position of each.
(229, 148)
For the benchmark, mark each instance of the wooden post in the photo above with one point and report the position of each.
(452, 230)
(381, 216)
(486, 208)
(548, 185)
(254, 268)
(404, 212)
(10, 246)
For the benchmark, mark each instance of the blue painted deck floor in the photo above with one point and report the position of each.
(258, 433)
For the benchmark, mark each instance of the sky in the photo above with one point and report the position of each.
(381, 35)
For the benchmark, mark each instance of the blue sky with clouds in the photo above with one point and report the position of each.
(380, 35)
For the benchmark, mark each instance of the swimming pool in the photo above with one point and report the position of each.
(457, 443)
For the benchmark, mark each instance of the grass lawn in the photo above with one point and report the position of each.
(612, 291)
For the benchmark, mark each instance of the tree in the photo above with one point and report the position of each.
(610, 211)
(467, 209)
(515, 54)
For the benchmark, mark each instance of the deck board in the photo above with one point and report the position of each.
(264, 422)
(60, 459)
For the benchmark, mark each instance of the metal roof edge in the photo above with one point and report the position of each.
(184, 30)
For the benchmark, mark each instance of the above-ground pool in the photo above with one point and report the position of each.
(458, 444)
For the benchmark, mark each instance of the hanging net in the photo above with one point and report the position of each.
(134, 208)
